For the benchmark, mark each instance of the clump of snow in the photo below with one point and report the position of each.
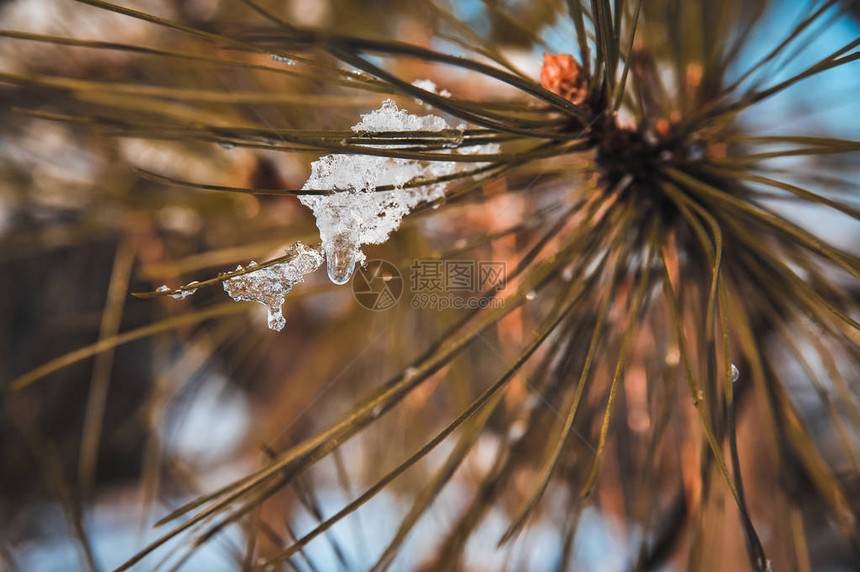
(357, 216)
(270, 285)
(390, 118)
(428, 85)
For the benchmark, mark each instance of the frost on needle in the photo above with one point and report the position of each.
(347, 220)
(270, 285)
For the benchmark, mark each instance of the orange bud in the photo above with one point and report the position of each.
(562, 75)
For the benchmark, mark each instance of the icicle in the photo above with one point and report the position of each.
(342, 246)
(270, 285)
(341, 254)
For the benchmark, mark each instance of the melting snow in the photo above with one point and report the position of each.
(270, 285)
(358, 216)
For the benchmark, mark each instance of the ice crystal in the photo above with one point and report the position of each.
(283, 60)
(359, 215)
(179, 294)
(269, 285)
(182, 294)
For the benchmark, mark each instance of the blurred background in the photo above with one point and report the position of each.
(195, 393)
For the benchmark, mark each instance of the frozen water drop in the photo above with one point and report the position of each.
(276, 320)
(182, 294)
(531, 295)
(227, 146)
(341, 255)
(376, 411)
(163, 288)
(735, 373)
(341, 246)
(409, 372)
(283, 60)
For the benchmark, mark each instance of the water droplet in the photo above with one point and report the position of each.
(227, 146)
(410, 372)
(735, 373)
(252, 264)
(163, 288)
(376, 411)
(531, 295)
(460, 244)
